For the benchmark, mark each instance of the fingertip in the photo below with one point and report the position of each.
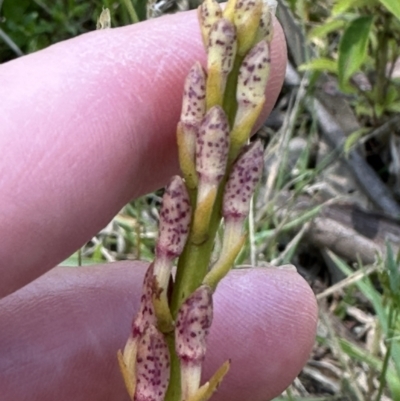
(88, 124)
(269, 319)
(264, 322)
(278, 64)
(277, 73)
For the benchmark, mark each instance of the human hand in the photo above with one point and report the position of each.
(86, 125)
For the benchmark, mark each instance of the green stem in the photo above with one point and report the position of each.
(195, 259)
(131, 11)
(392, 318)
(194, 262)
(174, 388)
(230, 103)
(192, 267)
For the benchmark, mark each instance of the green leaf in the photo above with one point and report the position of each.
(393, 271)
(353, 49)
(392, 95)
(393, 6)
(363, 110)
(15, 10)
(368, 289)
(353, 138)
(379, 110)
(341, 6)
(393, 107)
(73, 261)
(325, 29)
(359, 354)
(320, 64)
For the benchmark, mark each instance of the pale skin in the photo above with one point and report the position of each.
(85, 126)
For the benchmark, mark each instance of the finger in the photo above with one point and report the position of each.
(86, 125)
(60, 334)
(265, 323)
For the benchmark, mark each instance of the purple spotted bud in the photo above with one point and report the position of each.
(265, 29)
(222, 46)
(243, 8)
(193, 111)
(247, 18)
(175, 217)
(244, 177)
(194, 98)
(253, 75)
(146, 314)
(144, 318)
(192, 324)
(250, 95)
(174, 220)
(152, 366)
(212, 150)
(221, 55)
(191, 330)
(208, 13)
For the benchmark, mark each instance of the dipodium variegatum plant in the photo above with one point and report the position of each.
(162, 359)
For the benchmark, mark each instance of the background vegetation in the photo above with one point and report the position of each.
(329, 202)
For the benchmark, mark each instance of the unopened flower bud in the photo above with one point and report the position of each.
(253, 75)
(144, 318)
(192, 324)
(229, 10)
(221, 55)
(194, 95)
(212, 149)
(175, 216)
(243, 178)
(209, 12)
(193, 111)
(211, 158)
(265, 29)
(174, 221)
(146, 314)
(252, 81)
(247, 18)
(152, 366)
(191, 330)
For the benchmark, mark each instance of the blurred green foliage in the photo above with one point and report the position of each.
(31, 25)
(357, 40)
